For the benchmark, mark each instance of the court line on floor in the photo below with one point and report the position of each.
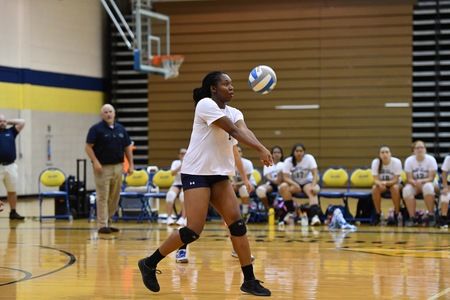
(72, 260)
(27, 276)
(438, 295)
(163, 228)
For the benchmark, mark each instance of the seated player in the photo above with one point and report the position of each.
(176, 190)
(420, 171)
(300, 174)
(444, 199)
(386, 171)
(273, 176)
(239, 185)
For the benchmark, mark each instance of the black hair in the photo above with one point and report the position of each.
(294, 161)
(279, 148)
(380, 166)
(211, 79)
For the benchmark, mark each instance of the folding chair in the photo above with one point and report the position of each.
(134, 188)
(49, 179)
(161, 179)
(334, 184)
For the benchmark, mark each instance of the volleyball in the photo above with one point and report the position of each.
(262, 79)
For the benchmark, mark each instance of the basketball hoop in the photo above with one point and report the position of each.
(170, 63)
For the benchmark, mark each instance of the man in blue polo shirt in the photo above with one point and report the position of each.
(8, 167)
(106, 144)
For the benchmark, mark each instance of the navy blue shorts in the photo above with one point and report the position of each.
(200, 181)
(274, 187)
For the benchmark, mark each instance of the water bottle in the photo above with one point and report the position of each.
(271, 216)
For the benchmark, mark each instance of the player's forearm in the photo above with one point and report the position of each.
(15, 122)
(246, 137)
(289, 180)
(444, 180)
(238, 162)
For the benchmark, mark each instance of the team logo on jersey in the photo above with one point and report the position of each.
(191, 182)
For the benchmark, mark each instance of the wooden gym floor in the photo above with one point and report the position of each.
(63, 260)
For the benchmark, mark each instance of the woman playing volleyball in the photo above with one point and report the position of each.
(206, 166)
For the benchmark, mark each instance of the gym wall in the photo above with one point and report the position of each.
(51, 69)
(350, 57)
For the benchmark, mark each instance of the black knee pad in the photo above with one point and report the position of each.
(289, 205)
(238, 228)
(187, 235)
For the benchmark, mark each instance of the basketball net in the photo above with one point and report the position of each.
(170, 63)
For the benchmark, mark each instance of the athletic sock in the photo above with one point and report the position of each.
(248, 272)
(154, 259)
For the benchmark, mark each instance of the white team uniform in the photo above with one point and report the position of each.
(445, 168)
(302, 171)
(446, 164)
(210, 150)
(420, 169)
(273, 170)
(248, 169)
(175, 165)
(388, 172)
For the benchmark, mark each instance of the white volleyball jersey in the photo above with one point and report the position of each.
(210, 150)
(420, 169)
(248, 169)
(389, 171)
(175, 165)
(302, 171)
(446, 164)
(273, 170)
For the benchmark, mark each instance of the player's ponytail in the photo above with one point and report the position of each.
(211, 79)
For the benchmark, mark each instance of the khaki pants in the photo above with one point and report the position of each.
(107, 186)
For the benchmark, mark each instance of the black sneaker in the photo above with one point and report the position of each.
(114, 229)
(376, 220)
(392, 220)
(149, 276)
(431, 221)
(105, 230)
(254, 287)
(443, 222)
(13, 215)
(411, 222)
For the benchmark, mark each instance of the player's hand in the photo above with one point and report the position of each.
(248, 185)
(418, 185)
(265, 156)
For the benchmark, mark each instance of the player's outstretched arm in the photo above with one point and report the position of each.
(245, 136)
